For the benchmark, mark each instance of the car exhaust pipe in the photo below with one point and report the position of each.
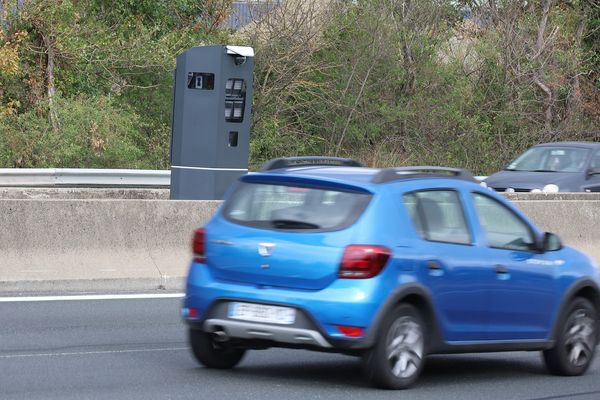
(220, 336)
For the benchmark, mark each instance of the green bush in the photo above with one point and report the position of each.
(92, 133)
(389, 83)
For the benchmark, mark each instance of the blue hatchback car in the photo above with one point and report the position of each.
(387, 264)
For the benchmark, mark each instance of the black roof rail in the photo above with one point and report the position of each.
(286, 162)
(399, 173)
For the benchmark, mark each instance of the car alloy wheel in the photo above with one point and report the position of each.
(575, 341)
(404, 347)
(580, 338)
(397, 357)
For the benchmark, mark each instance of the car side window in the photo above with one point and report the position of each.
(438, 216)
(504, 229)
(596, 160)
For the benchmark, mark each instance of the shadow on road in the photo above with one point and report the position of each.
(347, 371)
(478, 368)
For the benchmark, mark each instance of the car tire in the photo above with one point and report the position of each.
(576, 340)
(396, 360)
(213, 354)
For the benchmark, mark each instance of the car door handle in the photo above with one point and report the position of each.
(435, 268)
(501, 269)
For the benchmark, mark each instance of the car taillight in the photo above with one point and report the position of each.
(351, 331)
(198, 245)
(363, 261)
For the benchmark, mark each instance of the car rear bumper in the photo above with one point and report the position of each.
(320, 313)
(257, 331)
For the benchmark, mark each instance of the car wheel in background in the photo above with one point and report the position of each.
(397, 358)
(212, 353)
(576, 340)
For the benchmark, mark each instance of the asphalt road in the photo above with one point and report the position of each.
(136, 349)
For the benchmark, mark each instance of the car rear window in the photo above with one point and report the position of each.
(286, 207)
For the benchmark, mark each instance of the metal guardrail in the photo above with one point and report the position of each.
(81, 177)
(71, 177)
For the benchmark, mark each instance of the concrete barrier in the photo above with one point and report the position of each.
(92, 245)
(36, 193)
(107, 244)
(577, 222)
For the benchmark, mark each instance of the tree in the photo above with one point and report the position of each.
(116, 55)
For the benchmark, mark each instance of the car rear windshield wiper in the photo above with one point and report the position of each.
(544, 170)
(293, 224)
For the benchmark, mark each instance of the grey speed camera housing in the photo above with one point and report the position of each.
(211, 120)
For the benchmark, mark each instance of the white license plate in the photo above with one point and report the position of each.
(262, 313)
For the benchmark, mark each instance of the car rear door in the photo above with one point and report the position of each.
(450, 264)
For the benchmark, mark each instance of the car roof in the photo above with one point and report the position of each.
(363, 177)
(588, 145)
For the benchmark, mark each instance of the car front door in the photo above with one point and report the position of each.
(449, 264)
(524, 291)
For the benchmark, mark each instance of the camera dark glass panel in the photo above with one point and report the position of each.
(201, 80)
(235, 100)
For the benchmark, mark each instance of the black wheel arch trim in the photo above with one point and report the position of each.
(399, 295)
(568, 297)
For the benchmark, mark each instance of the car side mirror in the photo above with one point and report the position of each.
(551, 242)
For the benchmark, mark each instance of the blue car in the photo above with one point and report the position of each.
(387, 264)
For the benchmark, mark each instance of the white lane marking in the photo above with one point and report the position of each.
(85, 353)
(93, 297)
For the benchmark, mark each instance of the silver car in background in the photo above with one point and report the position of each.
(550, 168)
